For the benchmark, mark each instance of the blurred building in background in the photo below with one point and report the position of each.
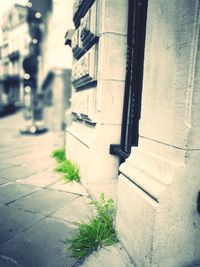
(54, 60)
(14, 48)
(56, 63)
(39, 49)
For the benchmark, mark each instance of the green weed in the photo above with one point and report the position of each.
(69, 170)
(59, 154)
(98, 232)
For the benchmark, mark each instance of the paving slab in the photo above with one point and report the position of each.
(72, 187)
(8, 262)
(4, 165)
(16, 172)
(43, 245)
(21, 159)
(15, 153)
(44, 201)
(77, 211)
(13, 221)
(41, 179)
(3, 181)
(11, 192)
(109, 256)
(38, 164)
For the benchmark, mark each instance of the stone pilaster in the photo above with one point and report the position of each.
(157, 216)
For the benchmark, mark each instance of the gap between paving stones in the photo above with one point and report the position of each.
(38, 212)
(6, 204)
(71, 224)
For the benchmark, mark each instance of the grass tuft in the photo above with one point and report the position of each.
(98, 232)
(69, 170)
(59, 154)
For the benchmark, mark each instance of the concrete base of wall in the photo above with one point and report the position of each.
(88, 147)
(157, 218)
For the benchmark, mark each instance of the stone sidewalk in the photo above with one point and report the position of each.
(37, 209)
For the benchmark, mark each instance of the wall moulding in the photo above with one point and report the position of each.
(84, 72)
(87, 33)
(80, 8)
(83, 106)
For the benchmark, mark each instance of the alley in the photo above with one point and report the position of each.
(37, 209)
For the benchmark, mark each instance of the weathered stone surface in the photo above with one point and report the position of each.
(3, 181)
(109, 188)
(21, 159)
(87, 33)
(172, 65)
(41, 179)
(42, 245)
(16, 172)
(44, 201)
(114, 64)
(108, 256)
(163, 228)
(37, 165)
(4, 165)
(97, 142)
(11, 192)
(111, 100)
(72, 187)
(8, 262)
(16, 153)
(83, 104)
(82, 211)
(14, 221)
(85, 69)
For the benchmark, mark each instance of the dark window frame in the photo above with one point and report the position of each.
(137, 15)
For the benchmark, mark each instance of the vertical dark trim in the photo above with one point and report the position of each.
(134, 75)
(137, 15)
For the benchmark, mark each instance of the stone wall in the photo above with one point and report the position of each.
(157, 218)
(99, 49)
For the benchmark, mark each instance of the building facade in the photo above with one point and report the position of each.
(54, 53)
(46, 72)
(56, 61)
(14, 48)
(135, 112)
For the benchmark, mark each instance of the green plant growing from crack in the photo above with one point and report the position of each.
(98, 232)
(69, 170)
